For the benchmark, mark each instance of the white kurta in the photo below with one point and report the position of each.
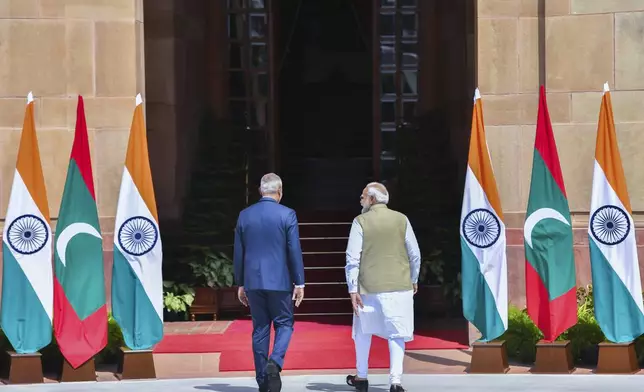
(387, 315)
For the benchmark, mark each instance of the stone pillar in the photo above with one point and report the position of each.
(177, 90)
(161, 52)
(588, 42)
(59, 49)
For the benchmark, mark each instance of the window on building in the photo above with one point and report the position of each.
(397, 76)
(248, 76)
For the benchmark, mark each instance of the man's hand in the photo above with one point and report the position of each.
(415, 288)
(298, 296)
(241, 294)
(356, 301)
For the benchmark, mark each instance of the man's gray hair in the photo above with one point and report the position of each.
(270, 184)
(378, 192)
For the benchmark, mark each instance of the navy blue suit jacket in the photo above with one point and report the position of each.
(267, 248)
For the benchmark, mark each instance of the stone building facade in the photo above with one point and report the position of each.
(110, 50)
(587, 43)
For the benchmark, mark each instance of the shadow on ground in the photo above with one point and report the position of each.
(225, 388)
(327, 387)
(428, 358)
(320, 387)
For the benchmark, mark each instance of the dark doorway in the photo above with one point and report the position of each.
(325, 103)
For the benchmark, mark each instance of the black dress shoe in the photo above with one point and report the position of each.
(396, 388)
(359, 385)
(273, 379)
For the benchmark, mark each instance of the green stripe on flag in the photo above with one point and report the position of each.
(551, 255)
(82, 278)
(544, 191)
(25, 322)
(479, 305)
(617, 314)
(131, 307)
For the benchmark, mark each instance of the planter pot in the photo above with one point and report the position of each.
(589, 355)
(430, 301)
(169, 316)
(206, 302)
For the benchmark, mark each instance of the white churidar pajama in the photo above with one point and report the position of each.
(386, 315)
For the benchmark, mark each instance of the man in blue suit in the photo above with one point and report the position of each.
(270, 275)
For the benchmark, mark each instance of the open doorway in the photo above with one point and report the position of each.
(325, 103)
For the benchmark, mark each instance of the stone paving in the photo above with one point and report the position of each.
(328, 383)
(425, 370)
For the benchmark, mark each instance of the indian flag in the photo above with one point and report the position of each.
(27, 276)
(484, 266)
(137, 283)
(613, 253)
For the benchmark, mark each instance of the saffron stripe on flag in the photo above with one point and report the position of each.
(607, 151)
(479, 158)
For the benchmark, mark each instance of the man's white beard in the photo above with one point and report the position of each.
(365, 208)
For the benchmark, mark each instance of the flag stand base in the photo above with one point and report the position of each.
(136, 365)
(85, 372)
(554, 357)
(617, 358)
(25, 368)
(490, 357)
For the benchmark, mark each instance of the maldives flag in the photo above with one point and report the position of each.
(80, 312)
(550, 262)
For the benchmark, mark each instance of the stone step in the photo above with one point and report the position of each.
(324, 275)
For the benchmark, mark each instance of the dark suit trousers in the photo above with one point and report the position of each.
(268, 307)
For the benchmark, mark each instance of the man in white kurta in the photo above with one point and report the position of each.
(383, 263)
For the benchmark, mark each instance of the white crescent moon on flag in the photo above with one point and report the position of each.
(538, 216)
(68, 233)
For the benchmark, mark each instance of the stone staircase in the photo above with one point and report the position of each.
(323, 237)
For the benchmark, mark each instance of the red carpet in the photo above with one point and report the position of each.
(313, 346)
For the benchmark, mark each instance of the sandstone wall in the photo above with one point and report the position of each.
(588, 42)
(59, 49)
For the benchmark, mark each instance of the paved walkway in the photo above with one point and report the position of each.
(328, 383)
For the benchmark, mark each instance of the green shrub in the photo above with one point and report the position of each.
(522, 334)
(114, 342)
(585, 335)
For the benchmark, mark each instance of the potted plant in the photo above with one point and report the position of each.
(430, 298)
(177, 298)
(213, 272)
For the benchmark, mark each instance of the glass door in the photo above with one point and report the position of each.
(395, 79)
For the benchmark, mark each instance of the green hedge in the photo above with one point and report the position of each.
(522, 334)
(53, 359)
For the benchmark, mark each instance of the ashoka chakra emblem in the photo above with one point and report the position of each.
(610, 225)
(138, 235)
(27, 234)
(481, 228)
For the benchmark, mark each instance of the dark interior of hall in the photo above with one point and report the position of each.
(325, 103)
(315, 106)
